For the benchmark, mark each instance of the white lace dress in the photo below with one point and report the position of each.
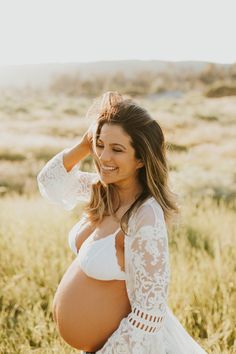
(151, 327)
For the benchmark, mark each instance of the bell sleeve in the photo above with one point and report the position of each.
(64, 188)
(147, 268)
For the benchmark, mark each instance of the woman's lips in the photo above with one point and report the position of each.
(106, 169)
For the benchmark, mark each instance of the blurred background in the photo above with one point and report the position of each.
(178, 60)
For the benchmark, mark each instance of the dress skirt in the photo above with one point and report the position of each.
(176, 339)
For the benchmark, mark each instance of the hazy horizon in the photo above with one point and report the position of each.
(2, 65)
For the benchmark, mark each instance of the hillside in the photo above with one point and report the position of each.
(40, 75)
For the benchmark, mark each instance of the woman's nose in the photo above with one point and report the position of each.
(105, 155)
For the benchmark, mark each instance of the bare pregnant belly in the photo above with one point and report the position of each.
(88, 311)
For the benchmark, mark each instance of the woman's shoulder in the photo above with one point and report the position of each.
(149, 205)
(149, 212)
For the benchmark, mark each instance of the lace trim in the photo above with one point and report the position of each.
(144, 321)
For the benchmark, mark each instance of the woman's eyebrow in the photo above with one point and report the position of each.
(114, 143)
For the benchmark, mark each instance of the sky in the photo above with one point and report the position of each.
(63, 31)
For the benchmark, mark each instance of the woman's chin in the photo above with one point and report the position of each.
(105, 178)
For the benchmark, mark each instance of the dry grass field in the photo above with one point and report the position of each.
(201, 139)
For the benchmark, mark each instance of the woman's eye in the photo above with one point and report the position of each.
(101, 147)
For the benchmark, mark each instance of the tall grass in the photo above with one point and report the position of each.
(33, 258)
(35, 254)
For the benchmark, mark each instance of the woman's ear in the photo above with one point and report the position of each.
(140, 164)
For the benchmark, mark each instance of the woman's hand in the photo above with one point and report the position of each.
(89, 137)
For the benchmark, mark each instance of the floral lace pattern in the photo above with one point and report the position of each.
(64, 188)
(147, 268)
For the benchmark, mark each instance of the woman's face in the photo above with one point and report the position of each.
(116, 156)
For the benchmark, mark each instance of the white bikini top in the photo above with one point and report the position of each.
(97, 258)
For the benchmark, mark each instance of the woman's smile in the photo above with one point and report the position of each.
(108, 169)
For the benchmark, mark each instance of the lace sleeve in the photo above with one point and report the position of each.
(64, 188)
(147, 268)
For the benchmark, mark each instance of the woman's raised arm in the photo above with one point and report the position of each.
(78, 152)
(61, 182)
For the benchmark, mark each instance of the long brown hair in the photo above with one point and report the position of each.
(148, 141)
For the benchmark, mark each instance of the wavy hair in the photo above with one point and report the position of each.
(148, 141)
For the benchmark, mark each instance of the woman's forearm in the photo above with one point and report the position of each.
(76, 154)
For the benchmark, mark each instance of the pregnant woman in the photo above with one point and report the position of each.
(113, 297)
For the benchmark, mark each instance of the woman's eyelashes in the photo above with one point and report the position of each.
(113, 149)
